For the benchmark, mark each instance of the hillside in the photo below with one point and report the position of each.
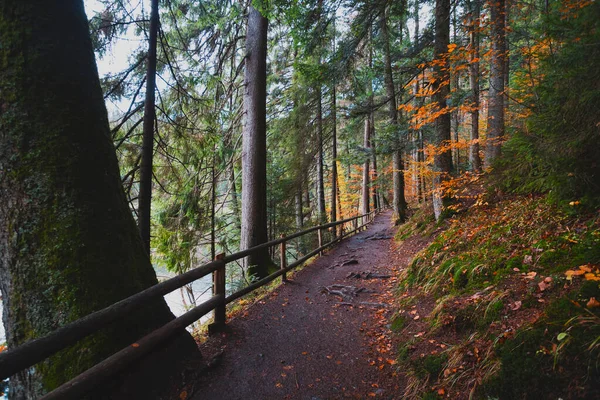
(503, 303)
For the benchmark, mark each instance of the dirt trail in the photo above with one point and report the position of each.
(303, 343)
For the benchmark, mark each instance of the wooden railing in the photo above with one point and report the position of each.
(34, 351)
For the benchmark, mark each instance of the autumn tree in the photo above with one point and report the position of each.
(69, 243)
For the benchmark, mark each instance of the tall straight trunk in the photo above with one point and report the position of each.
(417, 134)
(334, 177)
(365, 205)
(320, 160)
(213, 207)
(442, 160)
(474, 11)
(145, 194)
(495, 120)
(374, 183)
(455, 116)
(254, 146)
(68, 241)
(399, 201)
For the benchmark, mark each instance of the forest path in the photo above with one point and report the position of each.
(301, 342)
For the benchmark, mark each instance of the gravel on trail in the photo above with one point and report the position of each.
(315, 337)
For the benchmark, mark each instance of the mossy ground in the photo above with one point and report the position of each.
(505, 322)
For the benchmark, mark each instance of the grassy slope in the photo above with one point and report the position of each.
(498, 317)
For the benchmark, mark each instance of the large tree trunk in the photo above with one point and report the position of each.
(495, 121)
(474, 12)
(399, 201)
(68, 241)
(145, 194)
(442, 160)
(254, 146)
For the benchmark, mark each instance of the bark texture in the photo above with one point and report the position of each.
(443, 159)
(320, 160)
(145, 195)
(68, 241)
(334, 186)
(254, 146)
(365, 203)
(495, 120)
(399, 201)
(474, 19)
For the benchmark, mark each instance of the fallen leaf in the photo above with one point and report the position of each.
(183, 395)
(531, 275)
(592, 277)
(441, 392)
(278, 385)
(593, 303)
(516, 305)
(136, 345)
(543, 286)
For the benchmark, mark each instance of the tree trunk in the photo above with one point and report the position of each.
(320, 161)
(145, 194)
(441, 87)
(475, 11)
(495, 121)
(365, 206)
(334, 185)
(417, 133)
(374, 184)
(254, 147)
(390, 92)
(68, 241)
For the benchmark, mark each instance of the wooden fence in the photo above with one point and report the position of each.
(34, 351)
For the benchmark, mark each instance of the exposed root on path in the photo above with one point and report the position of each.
(367, 275)
(347, 293)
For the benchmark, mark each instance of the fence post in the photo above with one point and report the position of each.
(282, 260)
(218, 324)
(320, 236)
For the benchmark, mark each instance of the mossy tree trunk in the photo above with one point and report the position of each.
(68, 241)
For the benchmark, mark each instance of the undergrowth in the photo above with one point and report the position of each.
(482, 247)
(517, 324)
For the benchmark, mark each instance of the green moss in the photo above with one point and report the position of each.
(535, 364)
(429, 366)
(398, 323)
